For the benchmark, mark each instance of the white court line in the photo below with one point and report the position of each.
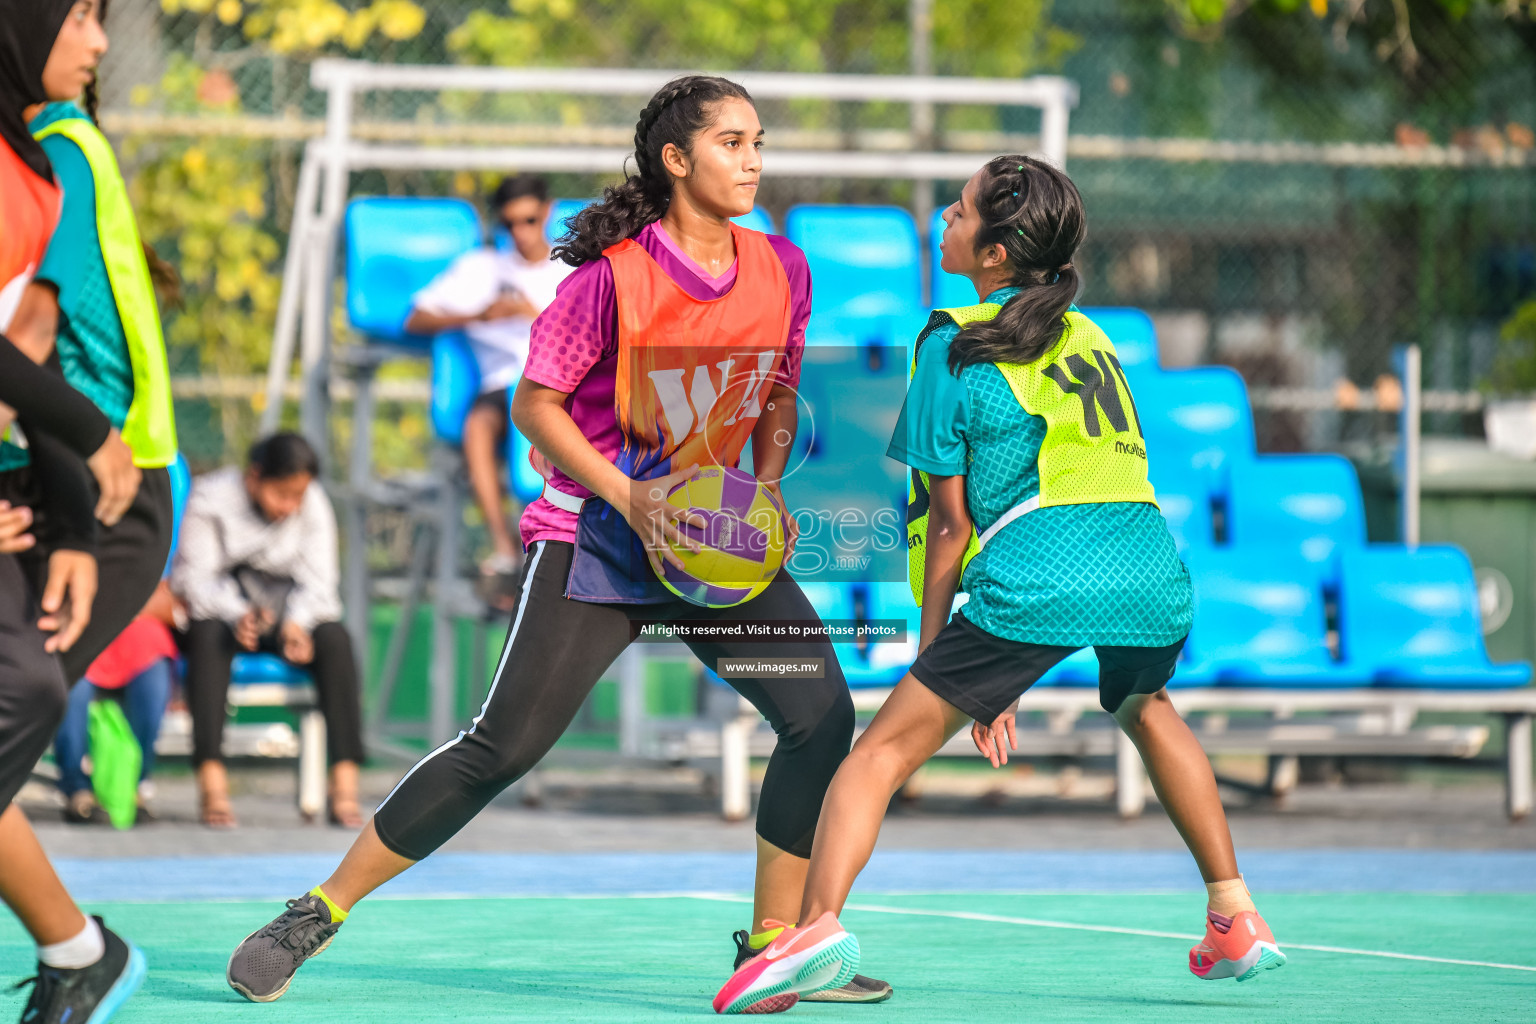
(1033, 922)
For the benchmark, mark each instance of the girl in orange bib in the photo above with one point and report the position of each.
(676, 341)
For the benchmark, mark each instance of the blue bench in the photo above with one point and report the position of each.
(1308, 505)
(1410, 619)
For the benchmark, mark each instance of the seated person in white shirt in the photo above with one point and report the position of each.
(256, 565)
(494, 296)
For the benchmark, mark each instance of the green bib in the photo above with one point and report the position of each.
(150, 427)
(1093, 452)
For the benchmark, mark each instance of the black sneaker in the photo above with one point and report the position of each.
(89, 995)
(262, 967)
(859, 989)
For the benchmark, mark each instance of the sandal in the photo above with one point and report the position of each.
(345, 813)
(81, 808)
(216, 812)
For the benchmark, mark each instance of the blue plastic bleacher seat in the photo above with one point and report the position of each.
(1080, 668)
(561, 210)
(1259, 619)
(266, 668)
(758, 220)
(949, 290)
(1309, 504)
(1197, 423)
(1410, 618)
(394, 248)
(1188, 516)
(865, 262)
(181, 486)
(1132, 333)
(883, 663)
(455, 384)
(523, 481)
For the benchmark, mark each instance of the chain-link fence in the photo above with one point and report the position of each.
(1291, 194)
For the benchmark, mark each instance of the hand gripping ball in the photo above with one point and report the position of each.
(742, 539)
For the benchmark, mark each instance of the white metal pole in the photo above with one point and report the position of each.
(287, 329)
(321, 270)
(921, 17)
(1412, 407)
(1053, 123)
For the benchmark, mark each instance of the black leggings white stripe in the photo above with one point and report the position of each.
(555, 652)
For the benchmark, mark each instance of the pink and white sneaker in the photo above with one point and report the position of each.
(1235, 947)
(796, 963)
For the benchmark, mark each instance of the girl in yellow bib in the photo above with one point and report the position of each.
(1029, 492)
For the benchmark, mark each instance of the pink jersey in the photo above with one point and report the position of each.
(574, 349)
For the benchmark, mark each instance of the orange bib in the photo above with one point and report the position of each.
(29, 211)
(692, 374)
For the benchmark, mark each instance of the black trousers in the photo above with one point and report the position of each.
(130, 559)
(210, 648)
(33, 692)
(556, 649)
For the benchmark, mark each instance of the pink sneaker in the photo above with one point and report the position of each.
(796, 963)
(1235, 947)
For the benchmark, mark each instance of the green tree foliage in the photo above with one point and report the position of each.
(972, 37)
(1514, 368)
(204, 200)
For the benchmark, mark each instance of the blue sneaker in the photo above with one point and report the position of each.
(90, 995)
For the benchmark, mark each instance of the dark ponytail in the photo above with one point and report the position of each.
(1035, 213)
(676, 114)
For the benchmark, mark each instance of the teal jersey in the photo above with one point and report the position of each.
(93, 348)
(1070, 575)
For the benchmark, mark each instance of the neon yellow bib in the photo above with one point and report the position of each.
(150, 427)
(1093, 451)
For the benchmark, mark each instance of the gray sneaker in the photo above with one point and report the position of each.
(262, 967)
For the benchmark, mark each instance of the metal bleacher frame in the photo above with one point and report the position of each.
(1365, 721)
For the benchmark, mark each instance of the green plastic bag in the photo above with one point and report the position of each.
(115, 763)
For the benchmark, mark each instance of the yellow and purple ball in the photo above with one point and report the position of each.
(741, 541)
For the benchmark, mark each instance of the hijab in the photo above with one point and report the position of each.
(28, 29)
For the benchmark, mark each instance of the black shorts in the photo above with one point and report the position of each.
(497, 401)
(983, 675)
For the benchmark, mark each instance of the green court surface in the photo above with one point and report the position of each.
(1028, 958)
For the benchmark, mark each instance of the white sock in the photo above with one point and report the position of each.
(81, 951)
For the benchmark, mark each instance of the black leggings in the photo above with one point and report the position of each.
(32, 688)
(130, 559)
(210, 648)
(556, 649)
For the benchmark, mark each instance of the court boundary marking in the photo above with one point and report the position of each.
(1033, 922)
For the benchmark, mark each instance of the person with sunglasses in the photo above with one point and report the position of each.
(493, 295)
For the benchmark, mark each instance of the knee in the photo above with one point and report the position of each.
(494, 766)
(827, 722)
(882, 759)
(1141, 714)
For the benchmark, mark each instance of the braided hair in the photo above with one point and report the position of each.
(676, 115)
(1035, 213)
